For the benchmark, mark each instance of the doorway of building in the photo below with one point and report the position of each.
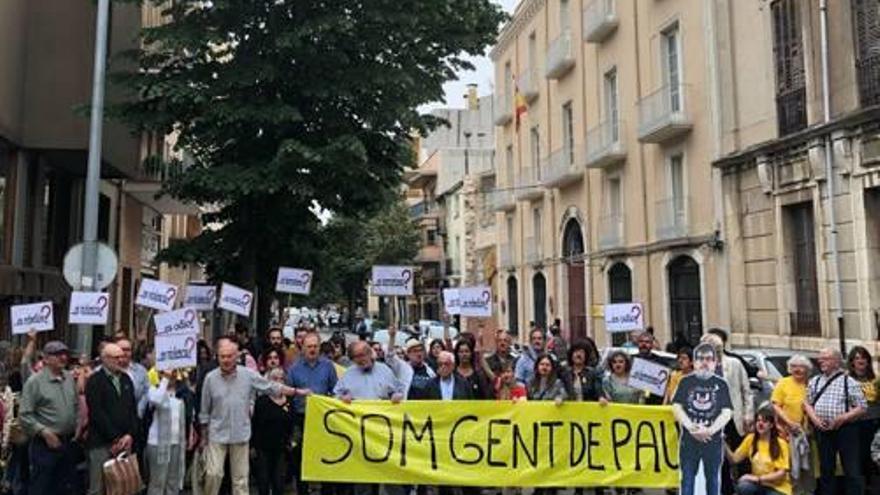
(539, 290)
(686, 310)
(619, 291)
(512, 306)
(572, 253)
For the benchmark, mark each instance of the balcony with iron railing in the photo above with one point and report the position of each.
(610, 230)
(868, 70)
(600, 20)
(672, 217)
(534, 253)
(501, 200)
(605, 144)
(791, 110)
(560, 55)
(503, 108)
(563, 169)
(528, 184)
(423, 209)
(529, 84)
(505, 256)
(663, 114)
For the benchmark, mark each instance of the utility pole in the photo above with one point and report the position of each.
(93, 175)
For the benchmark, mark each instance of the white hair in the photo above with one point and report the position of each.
(799, 360)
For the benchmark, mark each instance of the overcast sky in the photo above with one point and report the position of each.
(483, 75)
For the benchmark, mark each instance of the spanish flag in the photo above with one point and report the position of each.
(519, 104)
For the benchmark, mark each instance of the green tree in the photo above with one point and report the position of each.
(283, 106)
(355, 244)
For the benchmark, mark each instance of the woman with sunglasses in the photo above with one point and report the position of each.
(768, 455)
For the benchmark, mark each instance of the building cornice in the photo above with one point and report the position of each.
(524, 14)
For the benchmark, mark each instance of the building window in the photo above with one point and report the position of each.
(672, 66)
(568, 132)
(676, 182)
(510, 231)
(615, 203)
(431, 237)
(804, 320)
(866, 26)
(788, 58)
(508, 170)
(611, 109)
(535, 141)
(533, 55)
(536, 228)
(508, 79)
(564, 17)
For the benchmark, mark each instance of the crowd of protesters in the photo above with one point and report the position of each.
(244, 404)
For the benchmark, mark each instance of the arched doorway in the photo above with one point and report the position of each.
(539, 294)
(512, 306)
(685, 305)
(572, 253)
(619, 291)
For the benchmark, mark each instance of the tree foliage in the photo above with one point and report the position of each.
(283, 106)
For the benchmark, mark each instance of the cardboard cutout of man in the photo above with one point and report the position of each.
(702, 407)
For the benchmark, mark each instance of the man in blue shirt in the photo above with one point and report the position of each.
(316, 373)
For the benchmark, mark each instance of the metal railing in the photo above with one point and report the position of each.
(605, 143)
(868, 70)
(610, 230)
(672, 217)
(663, 112)
(791, 111)
(600, 20)
(560, 55)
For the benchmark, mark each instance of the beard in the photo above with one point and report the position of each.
(704, 374)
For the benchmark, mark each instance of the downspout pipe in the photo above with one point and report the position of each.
(829, 175)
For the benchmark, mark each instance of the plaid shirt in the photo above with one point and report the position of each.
(834, 400)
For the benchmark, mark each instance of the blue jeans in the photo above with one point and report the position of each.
(53, 470)
(691, 453)
(749, 488)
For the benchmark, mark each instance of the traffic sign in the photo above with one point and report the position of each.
(107, 263)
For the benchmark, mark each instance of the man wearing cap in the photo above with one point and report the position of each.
(415, 374)
(49, 410)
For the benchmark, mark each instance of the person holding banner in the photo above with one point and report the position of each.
(167, 436)
(525, 364)
(274, 422)
(225, 416)
(615, 384)
(467, 369)
(447, 385)
(581, 379)
(414, 374)
(545, 384)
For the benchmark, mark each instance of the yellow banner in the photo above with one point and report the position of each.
(493, 444)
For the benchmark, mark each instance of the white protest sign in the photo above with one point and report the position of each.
(392, 281)
(176, 335)
(624, 317)
(156, 295)
(649, 376)
(293, 281)
(451, 301)
(475, 301)
(27, 317)
(89, 308)
(200, 297)
(235, 299)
